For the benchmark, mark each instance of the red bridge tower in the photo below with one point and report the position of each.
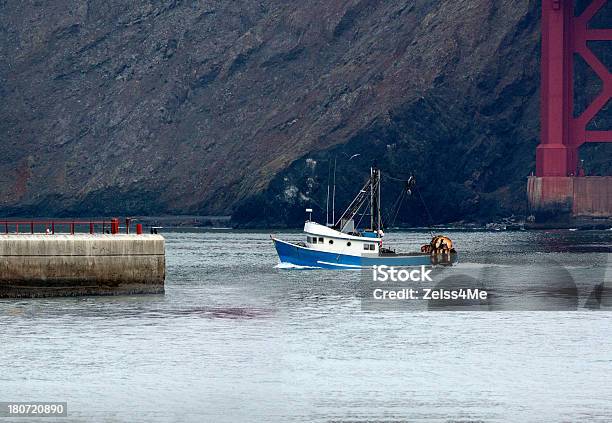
(558, 185)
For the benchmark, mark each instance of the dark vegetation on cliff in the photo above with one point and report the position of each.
(216, 107)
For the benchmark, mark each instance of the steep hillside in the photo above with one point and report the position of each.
(193, 107)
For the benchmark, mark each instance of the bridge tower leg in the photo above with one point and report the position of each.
(557, 184)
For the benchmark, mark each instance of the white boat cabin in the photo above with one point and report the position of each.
(323, 238)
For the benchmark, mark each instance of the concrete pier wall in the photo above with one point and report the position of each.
(81, 264)
(592, 196)
(572, 197)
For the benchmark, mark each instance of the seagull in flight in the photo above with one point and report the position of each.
(353, 156)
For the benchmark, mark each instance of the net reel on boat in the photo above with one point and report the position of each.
(440, 249)
(439, 244)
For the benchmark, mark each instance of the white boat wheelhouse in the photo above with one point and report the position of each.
(329, 240)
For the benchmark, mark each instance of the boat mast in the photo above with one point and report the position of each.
(372, 195)
(372, 189)
(375, 217)
(356, 205)
(378, 204)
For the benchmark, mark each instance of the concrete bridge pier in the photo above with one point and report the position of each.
(570, 197)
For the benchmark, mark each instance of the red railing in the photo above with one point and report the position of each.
(52, 227)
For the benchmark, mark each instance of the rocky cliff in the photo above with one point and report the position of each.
(218, 107)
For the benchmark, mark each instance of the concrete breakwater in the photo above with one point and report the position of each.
(81, 264)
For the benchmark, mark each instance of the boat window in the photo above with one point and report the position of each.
(331, 241)
(321, 239)
(366, 246)
(348, 244)
(314, 239)
(309, 239)
(372, 247)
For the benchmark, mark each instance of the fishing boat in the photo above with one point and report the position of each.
(342, 245)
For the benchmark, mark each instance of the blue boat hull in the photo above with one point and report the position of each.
(302, 256)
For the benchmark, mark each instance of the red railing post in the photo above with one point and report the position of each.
(114, 226)
(139, 229)
(53, 228)
(72, 228)
(127, 225)
(32, 227)
(91, 228)
(17, 228)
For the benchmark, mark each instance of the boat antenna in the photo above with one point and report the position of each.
(334, 193)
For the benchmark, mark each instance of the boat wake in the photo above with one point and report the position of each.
(283, 265)
(472, 265)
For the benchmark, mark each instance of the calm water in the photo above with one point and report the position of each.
(235, 339)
